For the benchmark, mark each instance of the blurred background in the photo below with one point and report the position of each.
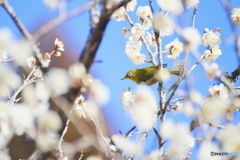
(114, 62)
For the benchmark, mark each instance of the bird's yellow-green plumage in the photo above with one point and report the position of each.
(147, 75)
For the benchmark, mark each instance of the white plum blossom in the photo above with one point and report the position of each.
(215, 106)
(141, 106)
(231, 144)
(52, 3)
(177, 64)
(6, 38)
(154, 155)
(143, 116)
(97, 89)
(58, 45)
(125, 32)
(219, 90)
(151, 39)
(196, 97)
(138, 59)
(144, 12)
(43, 93)
(164, 24)
(86, 109)
(131, 5)
(91, 110)
(212, 54)
(133, 52)
(21, 118)
(45, 62)
(47, 141)
(10, 80)
(31, 61)
(180, 140)
(3, 55)
(177, 108)
(188, 109)
(147, 23)
(58, 80)
(137, 30)
(192, 38)
(50, 120)
(212, 70)
(20, 51)
(162, 75)
(128, 99)
(93, 157)
(191, 3)
(132, 48)
(205, 149)
(38, 73)
(79, 106)
(211, 38)
(119, 14)
(236, 16)
(128, 146)
(174, 6)
(77, 70)
(174, 48)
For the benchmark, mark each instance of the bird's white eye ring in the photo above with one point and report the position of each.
(129, 74)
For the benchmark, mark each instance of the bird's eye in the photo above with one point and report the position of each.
(129, 74)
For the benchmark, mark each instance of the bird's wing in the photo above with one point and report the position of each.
(148, 72)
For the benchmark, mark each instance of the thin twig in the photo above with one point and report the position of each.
(226, 4)
(159, 137)
(227, 84)
(19, 24)
(81, 156)
(134, 127)
(148, 61)
(63, 134)
(210, 123)
(34, 155)
(59, 20)
(26, 82)
(179, 99)
(151, 6)
(101, 135)
(199, 139)
(7, 60)
(153, 61)
(194, 16)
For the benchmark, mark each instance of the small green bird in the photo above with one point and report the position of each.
(147, 75)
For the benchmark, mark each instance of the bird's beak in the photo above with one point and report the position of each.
(123, 78)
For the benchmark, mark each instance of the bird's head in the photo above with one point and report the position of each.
(131, 75)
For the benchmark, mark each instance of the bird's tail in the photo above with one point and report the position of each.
(174, 72)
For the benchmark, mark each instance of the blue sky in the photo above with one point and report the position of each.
(115, 64)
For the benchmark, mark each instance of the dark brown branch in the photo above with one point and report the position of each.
(196, 123)
(194, 16)
(160, 144)
(233, 76)
(95, 38)
(134, 127)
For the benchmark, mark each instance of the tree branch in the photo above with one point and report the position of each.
(95, 38)
(18, 23)
(59, 20)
